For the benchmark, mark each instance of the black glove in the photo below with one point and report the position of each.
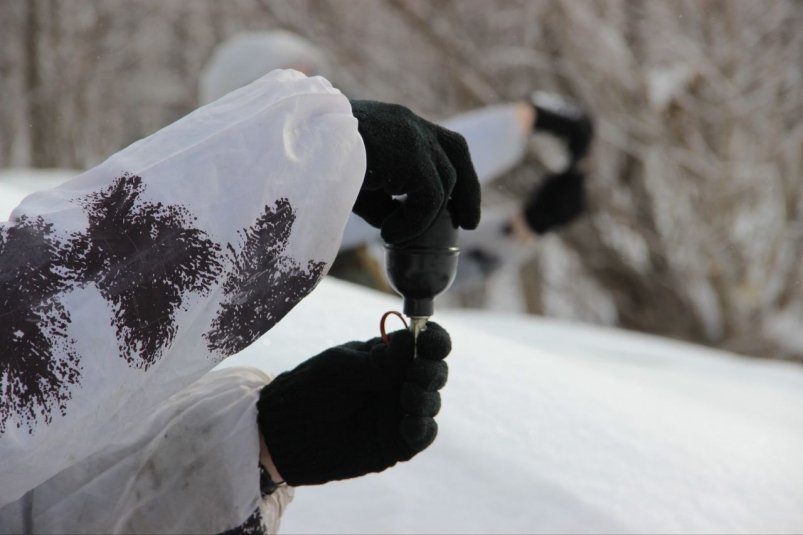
(559, 200)
(565, 120)
(356, 408)
(409, 155)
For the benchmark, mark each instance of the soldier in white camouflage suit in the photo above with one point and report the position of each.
(122, 288)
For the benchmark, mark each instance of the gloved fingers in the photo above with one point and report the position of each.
(419, 209)
(417, 432)
(430, 375)
(464, 204)
(401, 342)
(415, 401)
(375, 206)
(434, 343)
(391, 361)
(362, 346)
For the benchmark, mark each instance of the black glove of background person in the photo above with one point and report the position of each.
(565, 119)
(356, 408)
(558, 201)
(409, 155)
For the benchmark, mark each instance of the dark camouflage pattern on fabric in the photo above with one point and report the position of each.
(144, 258)
(254, 525)
(37, 360)
(264, 283)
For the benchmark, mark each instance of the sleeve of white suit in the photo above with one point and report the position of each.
(129, 282)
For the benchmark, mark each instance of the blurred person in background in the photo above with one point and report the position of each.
(497, 137)
(123, 287)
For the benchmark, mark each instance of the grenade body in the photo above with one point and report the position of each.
(422, 268)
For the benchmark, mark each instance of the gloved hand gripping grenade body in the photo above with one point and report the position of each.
(364, 406)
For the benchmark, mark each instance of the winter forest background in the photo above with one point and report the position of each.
(696, 188)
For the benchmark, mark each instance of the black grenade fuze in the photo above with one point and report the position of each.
(424, 267)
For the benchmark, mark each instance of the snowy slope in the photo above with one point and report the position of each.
(16, 184)
(553, 427)
(550, 426)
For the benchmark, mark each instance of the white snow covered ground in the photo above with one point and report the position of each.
(16, 184)
(553, 427)
(549, 426)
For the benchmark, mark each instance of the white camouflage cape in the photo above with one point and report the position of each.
(128, 283)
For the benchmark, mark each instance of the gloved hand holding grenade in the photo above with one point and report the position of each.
(357, 408)
(361, 407)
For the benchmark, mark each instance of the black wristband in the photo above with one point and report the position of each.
(267, 485)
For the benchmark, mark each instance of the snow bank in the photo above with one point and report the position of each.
(16, 184)
(550, 426)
